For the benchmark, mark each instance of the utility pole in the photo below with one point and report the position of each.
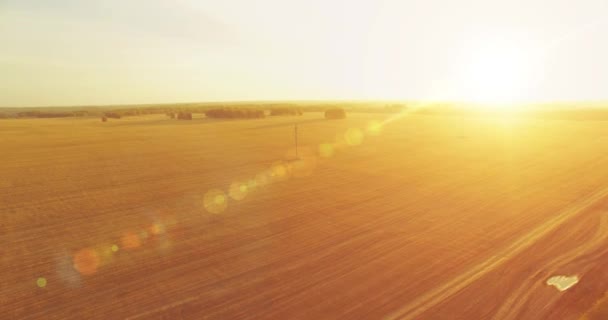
(296, 137)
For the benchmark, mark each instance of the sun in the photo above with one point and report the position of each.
(495, 74)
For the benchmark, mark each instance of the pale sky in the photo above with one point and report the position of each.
(81, 52)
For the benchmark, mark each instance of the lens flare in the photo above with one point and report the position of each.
(238, 191)
(105, 254)
(215, 201)
(41, 282)
(281, 171)
(326, 150)
(66, 272)
(86, 261)
(114, 248)
(353, 137)
(374, 128)
(304, 167)
(157, 229)
(130, 241)
(304, 163)
(251, 185)
(262, 179)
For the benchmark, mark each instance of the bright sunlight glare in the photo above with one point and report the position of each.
(496, 74)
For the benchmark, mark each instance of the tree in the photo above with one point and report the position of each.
(184, 116)
(336, 113)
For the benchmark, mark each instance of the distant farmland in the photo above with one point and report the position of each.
(426, 217)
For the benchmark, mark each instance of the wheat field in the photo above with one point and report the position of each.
(427, 217)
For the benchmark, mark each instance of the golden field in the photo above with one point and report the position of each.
(431, 217)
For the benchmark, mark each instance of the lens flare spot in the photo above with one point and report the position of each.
(65, 269)
(281, 171)
(144, 234)
(353, 137)
(326, 150)
(304, 164)
(251, 184)
(105, 254)
(238, 191)
(86, 261)
(215, 201)
(262, 179)
(219, 200)
(130, 241)
(374, 128)
(114, 248)
(157, 229)
(41, 282)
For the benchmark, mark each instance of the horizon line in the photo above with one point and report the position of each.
(305, 101)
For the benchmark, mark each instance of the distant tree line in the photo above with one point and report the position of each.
(227, 110)
(184, 116)
(113, 115)
(390, 108)
(235, 113)
(50, 114)
(335, 113)
(286, 112)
